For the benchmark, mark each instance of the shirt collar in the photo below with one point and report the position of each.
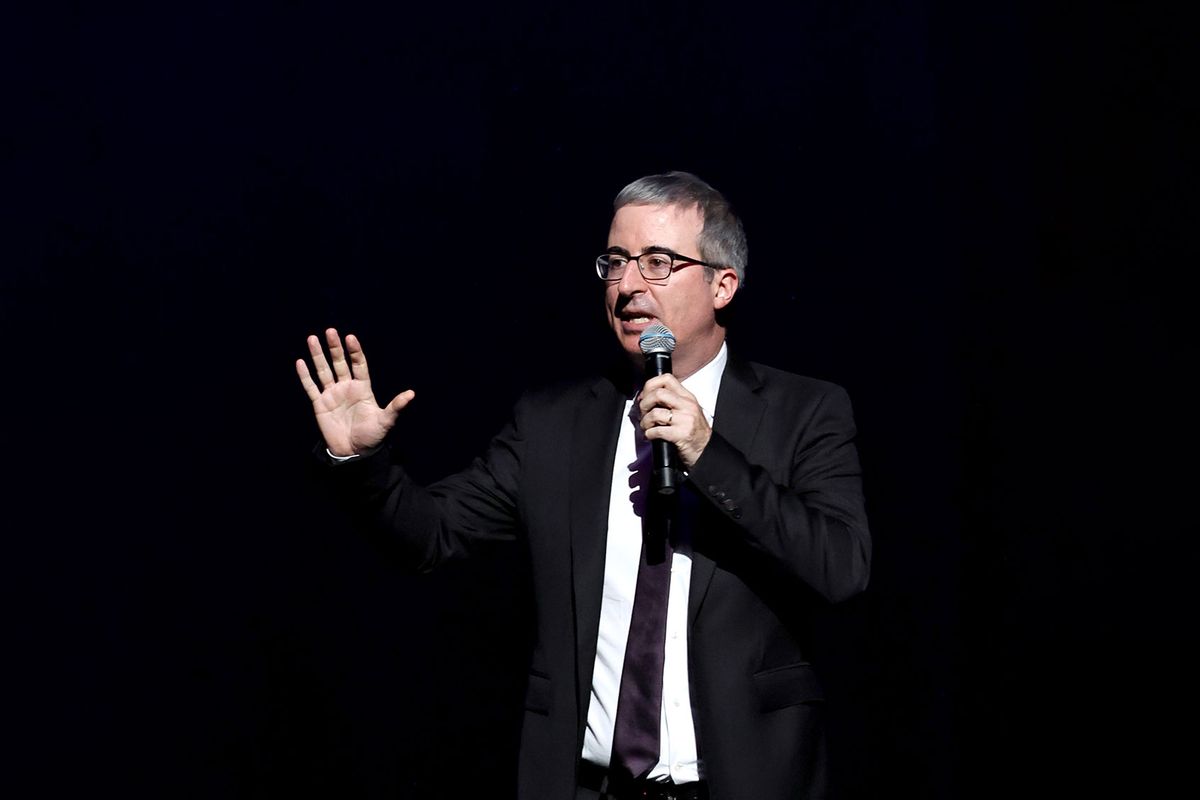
(705, 382)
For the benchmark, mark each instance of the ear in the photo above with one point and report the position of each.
(724, 287)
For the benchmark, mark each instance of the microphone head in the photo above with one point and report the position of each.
(656, 339)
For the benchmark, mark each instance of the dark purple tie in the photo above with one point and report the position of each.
(639, 705)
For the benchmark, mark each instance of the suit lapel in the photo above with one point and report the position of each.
(596, 428)
(738, 414)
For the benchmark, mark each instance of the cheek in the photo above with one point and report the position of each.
(689, 313)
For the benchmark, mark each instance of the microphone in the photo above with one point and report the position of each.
(657, 343)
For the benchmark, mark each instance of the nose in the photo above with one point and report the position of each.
(631, 280)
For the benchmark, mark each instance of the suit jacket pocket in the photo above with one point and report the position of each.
(537, 694)
(789, 685)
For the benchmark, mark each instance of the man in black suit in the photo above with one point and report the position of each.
(664, 669)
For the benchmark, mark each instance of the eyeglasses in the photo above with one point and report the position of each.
(656, 266)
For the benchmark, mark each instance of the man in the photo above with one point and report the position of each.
(688, 681)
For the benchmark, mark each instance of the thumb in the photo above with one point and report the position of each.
(393, 409)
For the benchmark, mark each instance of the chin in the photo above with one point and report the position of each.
(630, 344)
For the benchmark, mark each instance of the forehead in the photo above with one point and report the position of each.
(639, 226)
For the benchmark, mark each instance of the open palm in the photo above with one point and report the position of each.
(348, 416)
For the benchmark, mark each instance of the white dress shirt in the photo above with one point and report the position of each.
(678, 758)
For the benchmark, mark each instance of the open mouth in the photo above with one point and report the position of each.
(636, 322)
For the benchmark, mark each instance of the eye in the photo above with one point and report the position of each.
(658, 261)
(613, 264)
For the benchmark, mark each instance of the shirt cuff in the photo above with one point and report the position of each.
(341, 459)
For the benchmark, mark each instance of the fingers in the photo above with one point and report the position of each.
(310, 388)
(358, 359)
(672, 413)
(340, 369)
(324, 373)
(665, 392)
(667, 423)
(658, 418)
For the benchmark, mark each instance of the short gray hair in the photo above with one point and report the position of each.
(722, 240)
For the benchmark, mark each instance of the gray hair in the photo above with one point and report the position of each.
(722, 240)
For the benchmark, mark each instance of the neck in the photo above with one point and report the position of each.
(686, 362)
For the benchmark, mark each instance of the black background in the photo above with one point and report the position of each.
(972, 218)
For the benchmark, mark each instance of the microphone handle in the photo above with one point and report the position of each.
(664, 476)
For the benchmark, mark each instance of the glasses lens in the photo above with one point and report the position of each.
(655, 265)
(610, 266)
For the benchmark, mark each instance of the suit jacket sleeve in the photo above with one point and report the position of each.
(798, 502)
(425, 526)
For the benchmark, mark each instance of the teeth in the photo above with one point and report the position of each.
(639, 319)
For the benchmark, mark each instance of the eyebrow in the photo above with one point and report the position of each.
(654, 248)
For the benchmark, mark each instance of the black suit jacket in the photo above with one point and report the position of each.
(778, 524)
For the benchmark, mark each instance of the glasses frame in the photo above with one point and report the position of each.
(678, 262)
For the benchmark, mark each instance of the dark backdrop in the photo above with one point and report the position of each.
(969, 217)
